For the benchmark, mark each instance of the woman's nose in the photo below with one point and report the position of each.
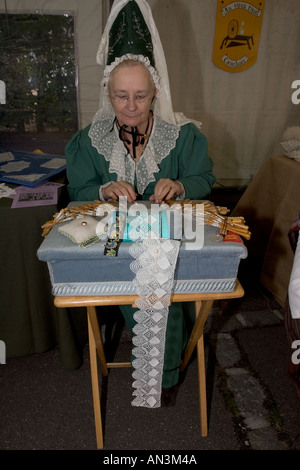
(131, 103)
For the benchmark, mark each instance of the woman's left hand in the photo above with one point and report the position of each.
(165, 189)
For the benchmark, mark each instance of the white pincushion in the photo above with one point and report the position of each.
(82, 230)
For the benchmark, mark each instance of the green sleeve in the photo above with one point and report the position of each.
(188, 163)
(195, 166)
(86, 169)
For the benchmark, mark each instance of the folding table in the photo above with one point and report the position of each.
(203, 304)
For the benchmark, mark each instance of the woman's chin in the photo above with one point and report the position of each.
(131, 122)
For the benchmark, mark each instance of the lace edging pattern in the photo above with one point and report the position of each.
(162, 140)
(154, 266)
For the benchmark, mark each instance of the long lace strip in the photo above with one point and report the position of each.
(154, 266)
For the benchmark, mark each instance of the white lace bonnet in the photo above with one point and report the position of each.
(158, 67)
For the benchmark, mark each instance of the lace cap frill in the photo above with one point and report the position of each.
(139, 58)
(105, 139)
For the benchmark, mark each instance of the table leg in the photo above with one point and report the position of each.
(202, 386)
(92, 315)
(95, 386)
(202, 309)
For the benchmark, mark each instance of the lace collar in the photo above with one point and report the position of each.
(106, 141)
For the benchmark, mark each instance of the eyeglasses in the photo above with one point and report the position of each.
(123, 99)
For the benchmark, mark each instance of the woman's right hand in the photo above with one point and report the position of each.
(119, 188)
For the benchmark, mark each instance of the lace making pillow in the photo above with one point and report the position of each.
(83, 231)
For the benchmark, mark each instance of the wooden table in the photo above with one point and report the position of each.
(203, 304)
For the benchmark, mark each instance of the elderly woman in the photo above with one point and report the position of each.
(137, 147)
(139, 141)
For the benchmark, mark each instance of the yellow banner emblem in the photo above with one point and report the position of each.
(237, 34)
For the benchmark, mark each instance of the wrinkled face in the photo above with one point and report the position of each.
(131, 91)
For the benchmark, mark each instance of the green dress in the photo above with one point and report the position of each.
(187, 162)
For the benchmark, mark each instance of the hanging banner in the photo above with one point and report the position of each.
(237, 34)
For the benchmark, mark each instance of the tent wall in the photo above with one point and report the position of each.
(243, 114)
